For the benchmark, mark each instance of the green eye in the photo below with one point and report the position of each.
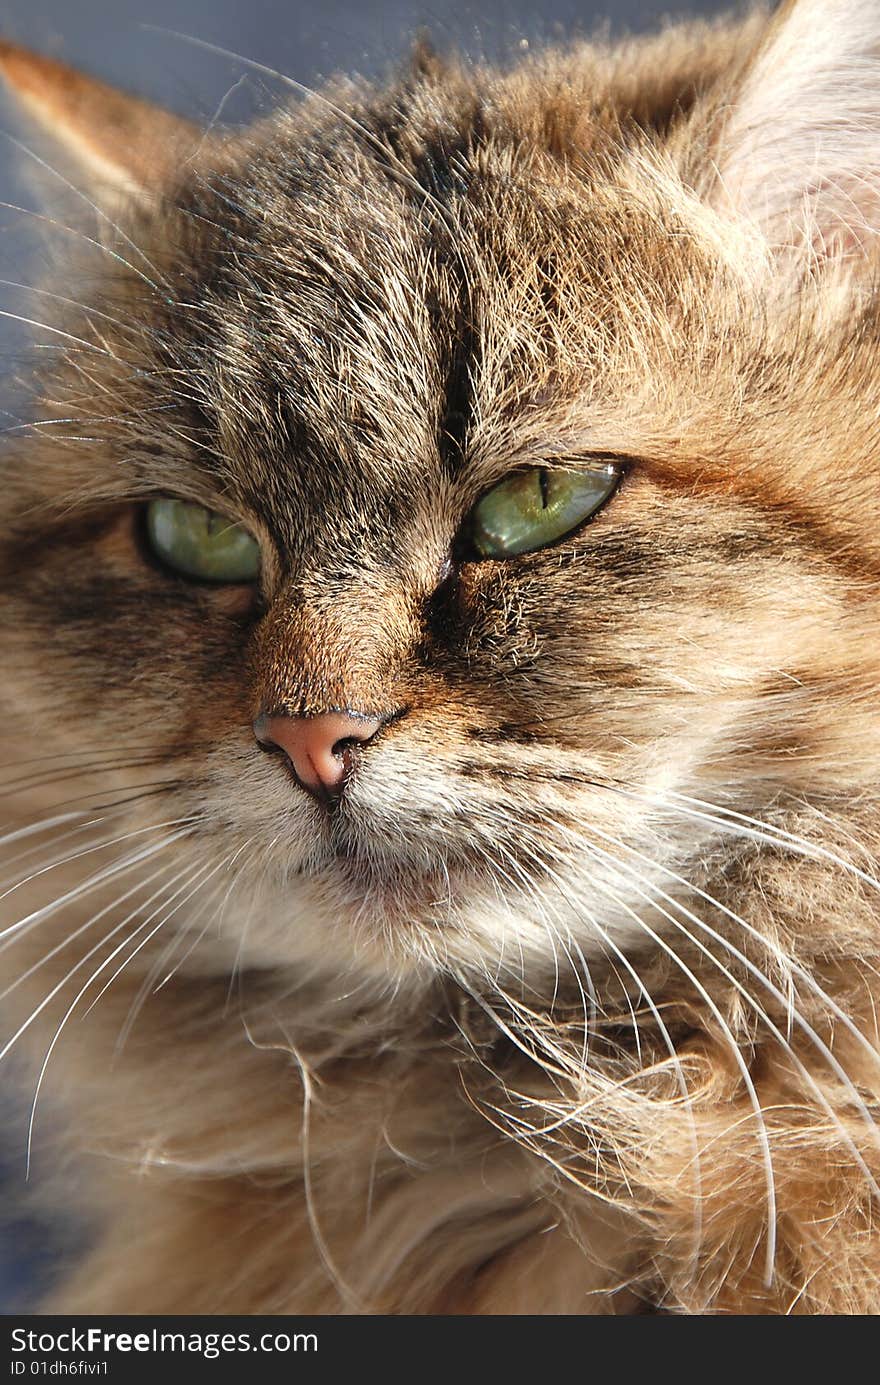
(200, 543)
(535, 508)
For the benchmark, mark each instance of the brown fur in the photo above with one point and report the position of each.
(571, 1007)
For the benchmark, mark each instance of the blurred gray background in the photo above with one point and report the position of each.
(306, 41)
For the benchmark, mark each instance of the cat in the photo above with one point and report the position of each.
(440, 665)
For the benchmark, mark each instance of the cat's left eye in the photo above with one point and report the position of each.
(535, 508)
(200, 543)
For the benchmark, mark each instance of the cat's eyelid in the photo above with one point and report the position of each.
(215, 505)
(607, 462)
(602, 461)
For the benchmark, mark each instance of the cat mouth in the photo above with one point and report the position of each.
(385, 874)
(380, 868)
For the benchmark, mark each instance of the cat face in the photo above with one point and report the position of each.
(342, 344)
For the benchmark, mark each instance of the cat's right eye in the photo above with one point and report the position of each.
(200, 543)
(536, 508)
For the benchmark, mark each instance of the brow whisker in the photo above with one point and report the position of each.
(99, 212)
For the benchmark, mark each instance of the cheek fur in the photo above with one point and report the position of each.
(125, 634)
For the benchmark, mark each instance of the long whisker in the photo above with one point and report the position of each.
(78, 855)
(95, 974)
(17, 859)
(768, 833)
(164, 957)
(128, 324)
(681, 1081)
(552, 936)
(789, 963)
(59, 332)
(87, 886)
(62, 757)
(99, 212)
(151, 851)
(236, 971)
(531, 888)
(201, 876)
(80, 235)
(34, 828)
(761, 1125)
(84, 820)
(83, 928)
(798, 1019)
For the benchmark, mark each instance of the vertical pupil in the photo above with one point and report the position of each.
(544, 483)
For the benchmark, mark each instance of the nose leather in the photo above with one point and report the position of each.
(318, 747)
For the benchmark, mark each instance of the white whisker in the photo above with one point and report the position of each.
(799, 1020)
(99, 212)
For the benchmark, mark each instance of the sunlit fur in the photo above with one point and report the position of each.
(569, 1007)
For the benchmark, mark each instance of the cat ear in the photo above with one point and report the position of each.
(799, 147)
(123, 146)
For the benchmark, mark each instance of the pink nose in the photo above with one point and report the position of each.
(319, 748)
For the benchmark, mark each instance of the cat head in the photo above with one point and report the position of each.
(448, 525)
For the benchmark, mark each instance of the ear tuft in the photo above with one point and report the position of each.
(124, 145)
(799, 149)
